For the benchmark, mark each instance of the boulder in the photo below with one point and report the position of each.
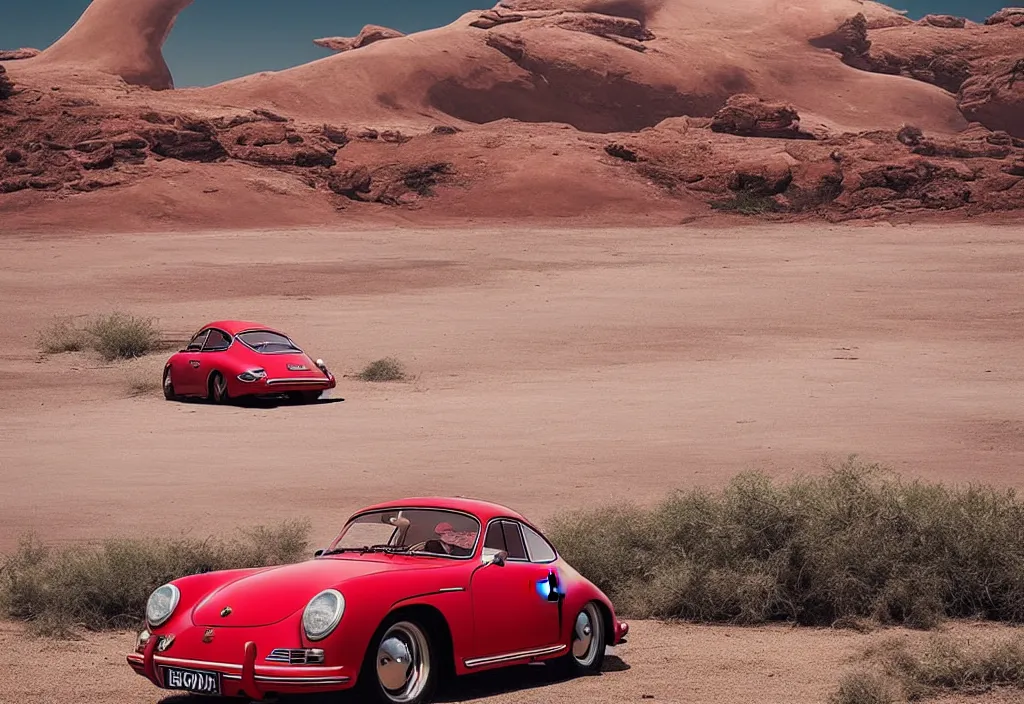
(18, 54)
(368, 35)
(6, 86)
(1008, 15)
(749, 116)
(850, 39)
(944, 21)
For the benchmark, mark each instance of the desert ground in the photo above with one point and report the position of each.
(552, 370)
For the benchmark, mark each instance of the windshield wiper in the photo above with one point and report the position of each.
(368, 548)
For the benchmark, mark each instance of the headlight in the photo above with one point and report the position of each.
(161, 604)
(252, 375)
(322, 614)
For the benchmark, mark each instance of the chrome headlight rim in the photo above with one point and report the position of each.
(339, 611)
(156, 622)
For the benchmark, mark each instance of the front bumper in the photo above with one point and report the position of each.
(621, 629)
(245, 678)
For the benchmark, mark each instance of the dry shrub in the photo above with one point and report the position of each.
(106, 586)
(61, 336)
(387, 369)
(856, 543)
(864, 687)
(121, 336)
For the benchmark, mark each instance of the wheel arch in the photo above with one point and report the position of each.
(438, 629)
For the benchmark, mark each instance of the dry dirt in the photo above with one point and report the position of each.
(552, 370)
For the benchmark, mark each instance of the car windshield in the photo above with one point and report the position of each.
(267, 342)
(418, 531)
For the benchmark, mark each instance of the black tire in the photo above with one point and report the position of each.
(218, 389)
(304, 396)
(384, 679)
(586, 649)
(168, 385)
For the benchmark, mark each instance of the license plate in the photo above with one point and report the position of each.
(195, 681)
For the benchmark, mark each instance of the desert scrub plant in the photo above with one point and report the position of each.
(854, 543)
(100, 587)
(121, 336)
(747, 203)
(865, 687)
(61, 335)
(945, 665)
(387, 369)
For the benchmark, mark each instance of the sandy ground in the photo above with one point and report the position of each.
(552, 371)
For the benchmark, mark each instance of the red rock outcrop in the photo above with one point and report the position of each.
(6, 86)
(749, 116)
(1010, 15)
(18, 54)
(996, 99)
(944, 21)
(368, 35)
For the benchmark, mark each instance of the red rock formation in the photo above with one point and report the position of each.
(18, 54)
(1010, 15)
(368, 35)
(996, 99)
(944, 21)
(749, 116)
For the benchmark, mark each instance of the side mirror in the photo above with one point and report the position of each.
(318, 553)
(498, 558)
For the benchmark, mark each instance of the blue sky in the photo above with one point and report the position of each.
(215, 40)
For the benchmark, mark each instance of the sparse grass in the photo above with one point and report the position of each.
(864, 687)
(121, 336)
(946, 664)
(387, 369)
(61, 336)
(113, 336)
(142, 385)
(856, 543)
(106, 586)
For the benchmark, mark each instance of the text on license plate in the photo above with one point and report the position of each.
(195, 681)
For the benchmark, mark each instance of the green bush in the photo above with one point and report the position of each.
(387, 369)
(107, 586)
(856, 543)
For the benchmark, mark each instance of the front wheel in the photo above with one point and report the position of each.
(218, 388)
(402, 665)
(169, 393)
(586, 651)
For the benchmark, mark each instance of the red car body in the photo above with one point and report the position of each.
(233, 359)
(246, 630)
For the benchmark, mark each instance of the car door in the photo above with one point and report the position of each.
(511, 611)
(185, 375)
(210, 358)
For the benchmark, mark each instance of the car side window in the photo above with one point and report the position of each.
(513, 541)
(540, 549)
(494, 541)
(197, 342)
(217, 342)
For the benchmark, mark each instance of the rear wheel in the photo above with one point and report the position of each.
(169, 393)
(402, 666)
(218, 388)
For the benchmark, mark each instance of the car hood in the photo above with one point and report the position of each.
(272, 595)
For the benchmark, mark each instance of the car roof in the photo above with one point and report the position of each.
(233, 327)
(484, 510)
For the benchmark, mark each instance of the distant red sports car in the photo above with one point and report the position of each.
(411, 591)
(231, 358)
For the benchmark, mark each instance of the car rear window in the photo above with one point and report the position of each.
(267, 342)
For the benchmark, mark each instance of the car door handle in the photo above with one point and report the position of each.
(194, 363)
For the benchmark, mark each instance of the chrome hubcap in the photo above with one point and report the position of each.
(586, 635)
(403, 662)
(220, 386)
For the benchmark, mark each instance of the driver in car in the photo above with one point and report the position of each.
(453, 542)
